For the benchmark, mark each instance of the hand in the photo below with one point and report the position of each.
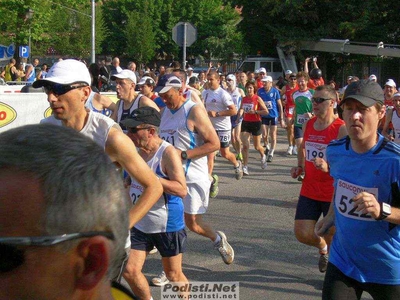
(367, 203)
(323, 225)
(282, 121)
(212, 113)
(308, 59)
(296, 172)
(320, 164)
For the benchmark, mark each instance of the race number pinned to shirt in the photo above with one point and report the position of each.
(301, 119)
(345, 192)
(315, 150)
(247, 107)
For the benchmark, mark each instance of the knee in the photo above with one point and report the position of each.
(305, 236)
(132, 271)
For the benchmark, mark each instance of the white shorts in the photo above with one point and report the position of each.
(196, 200)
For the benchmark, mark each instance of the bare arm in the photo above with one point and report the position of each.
(121, 149)
(114, 115)
(306, 65)
(389, 115)
(172, 166)
(231, 111)
(199, 122)
(103, 102)
(145, 101)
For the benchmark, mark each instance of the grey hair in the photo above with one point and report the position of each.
(82, 189)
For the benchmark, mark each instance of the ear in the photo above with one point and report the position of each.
(86, 93)
(95, 256)
(382, 112)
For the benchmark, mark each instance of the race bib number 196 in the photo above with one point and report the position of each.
(345, 192)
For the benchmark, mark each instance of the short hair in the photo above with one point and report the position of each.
(213, 72)
(327, 89)
(82, 190)
(303, 74)
(182, 73)
(253, 84)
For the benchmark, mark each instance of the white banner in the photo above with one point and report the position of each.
(20, 109)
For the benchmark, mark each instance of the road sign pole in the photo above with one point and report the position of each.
(184, 46)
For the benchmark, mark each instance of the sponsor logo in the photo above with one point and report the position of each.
(7, 114)
(200, 290)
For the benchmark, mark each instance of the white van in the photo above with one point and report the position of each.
(271, 64)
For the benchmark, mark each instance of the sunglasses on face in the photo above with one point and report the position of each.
(11, 256)
(319, 100)
(293, 78)
(60, 89)
(135, 129)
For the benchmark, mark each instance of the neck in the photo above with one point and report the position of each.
(363, 146)
(325, 120)
(78, 121)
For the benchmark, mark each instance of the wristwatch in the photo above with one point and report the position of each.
(217, 114)
(386, 210)
(184, 155)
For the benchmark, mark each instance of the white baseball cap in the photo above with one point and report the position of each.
(189, 69)
(391, 83)
(372, 77)
(267, 78)
(146, 80)
(172, 82)
(66, 71)
(125, 74)
(262, 70)
(288, 72)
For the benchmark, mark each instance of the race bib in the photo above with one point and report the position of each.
(224, 136)
(301, 119)
(345, 192)
(247, 107)
(314, 150)
(135, 191)
(268, 104)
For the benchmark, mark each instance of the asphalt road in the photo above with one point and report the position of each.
(257, 215)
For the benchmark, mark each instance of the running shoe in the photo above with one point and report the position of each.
(294, 150)
(269, 159)
(323, 263)
(239, 170)
(266, 151)
(160, 280)
(154, 250)
(225, 249)
(264, 162)
(239, 156)
(214, 186)
(245, 170)
(289, 150)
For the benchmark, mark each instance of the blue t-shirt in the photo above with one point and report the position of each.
(270, 99)
(363, 248)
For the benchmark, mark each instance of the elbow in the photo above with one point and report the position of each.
(183, 192)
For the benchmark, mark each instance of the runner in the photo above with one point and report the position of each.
(364, 255)
(186, 126)
(272, 100)
(251, 110)
(220, 108)
(317, 188)
(288, 103)
(163, 226)
(393, 119)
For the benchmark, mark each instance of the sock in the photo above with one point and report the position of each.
(324, 250)
(217, 240)
(271, 152)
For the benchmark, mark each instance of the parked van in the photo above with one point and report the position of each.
(271, 64)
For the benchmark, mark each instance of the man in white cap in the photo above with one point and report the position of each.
(287, 74)
(272, 100)
(189, 72)
(185, 125)
(129, 100)
(393, 118)
(67, 86)
(262, 73)
(389, 90)
(372, 77)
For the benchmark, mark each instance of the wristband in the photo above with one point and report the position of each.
(217, 114)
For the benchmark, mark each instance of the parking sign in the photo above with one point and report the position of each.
(24, 51)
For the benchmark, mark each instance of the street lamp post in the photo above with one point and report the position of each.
(29, 16)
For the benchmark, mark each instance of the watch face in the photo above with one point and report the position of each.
(386, 209)
(183, 155)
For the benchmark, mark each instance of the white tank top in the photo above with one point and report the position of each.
(166, 215)
(96, 128)
(236, 98)
(174, 129)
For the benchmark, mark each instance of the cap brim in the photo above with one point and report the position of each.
(165, 89)
(132, 123)
(368, 102)
(46, 81)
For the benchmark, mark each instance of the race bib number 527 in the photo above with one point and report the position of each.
(345, 192)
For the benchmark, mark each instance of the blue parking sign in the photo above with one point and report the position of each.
(24, 51)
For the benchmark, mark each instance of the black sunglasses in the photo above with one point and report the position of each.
(12, 257)
(293, 78)
(60, 89)
(319, 99)
(135, 129)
